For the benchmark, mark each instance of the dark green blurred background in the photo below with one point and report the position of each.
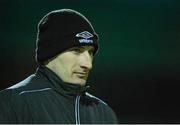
(137, 70)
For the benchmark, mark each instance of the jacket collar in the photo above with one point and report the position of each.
(60, 86)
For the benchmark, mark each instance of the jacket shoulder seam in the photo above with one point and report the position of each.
(33, 91)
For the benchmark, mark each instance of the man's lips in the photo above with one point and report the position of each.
(81, 73)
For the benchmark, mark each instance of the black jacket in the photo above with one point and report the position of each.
(44, 98)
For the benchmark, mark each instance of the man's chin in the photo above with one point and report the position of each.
(80, 81)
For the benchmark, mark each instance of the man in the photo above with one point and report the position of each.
(57, 92)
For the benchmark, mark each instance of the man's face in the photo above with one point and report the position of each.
(73, 65)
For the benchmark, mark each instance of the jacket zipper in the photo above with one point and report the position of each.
(77, 116)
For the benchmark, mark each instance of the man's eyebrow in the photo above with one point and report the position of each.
(83, 47)
(78, 47)
(74, 48)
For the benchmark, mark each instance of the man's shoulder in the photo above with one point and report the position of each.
(32, 82)
(16, 87)
(23, 83)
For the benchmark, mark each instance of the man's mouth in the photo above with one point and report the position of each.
(81, 74)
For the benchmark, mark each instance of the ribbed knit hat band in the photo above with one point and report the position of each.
(63, 29)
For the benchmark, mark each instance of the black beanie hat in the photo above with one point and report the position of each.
(62, 29)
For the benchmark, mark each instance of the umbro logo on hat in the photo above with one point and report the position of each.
(86, 35)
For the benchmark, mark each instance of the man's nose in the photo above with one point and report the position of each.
(86, 60)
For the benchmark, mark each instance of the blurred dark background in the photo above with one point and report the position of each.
(137, 70)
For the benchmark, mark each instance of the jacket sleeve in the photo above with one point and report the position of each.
(7, 115)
